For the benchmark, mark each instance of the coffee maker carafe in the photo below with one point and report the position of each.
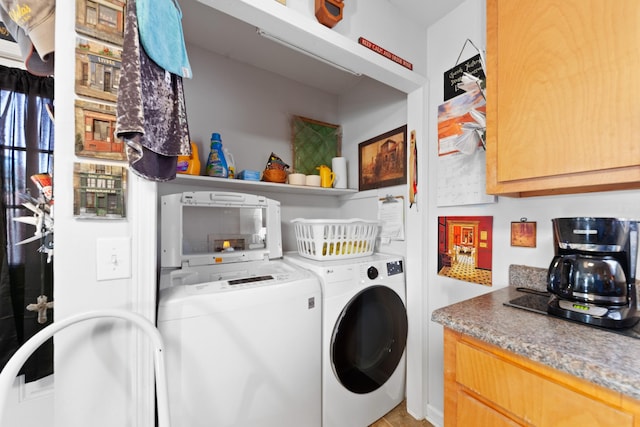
(592, 275)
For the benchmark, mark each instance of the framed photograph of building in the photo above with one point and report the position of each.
(95, 131)
(382, 160)
(99, 191)
(97, 70)
(101, 19)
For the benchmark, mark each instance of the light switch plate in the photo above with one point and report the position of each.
(113, 258)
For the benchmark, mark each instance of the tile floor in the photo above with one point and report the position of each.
(466, 272)
(398, 417)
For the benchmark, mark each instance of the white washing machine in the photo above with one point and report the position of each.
(241, 327)
(364, 334)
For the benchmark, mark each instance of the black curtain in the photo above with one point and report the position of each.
(26, 138)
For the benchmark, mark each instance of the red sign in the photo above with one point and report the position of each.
(384, 52)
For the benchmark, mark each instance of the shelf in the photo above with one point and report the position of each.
(229, 28)
(256, 186)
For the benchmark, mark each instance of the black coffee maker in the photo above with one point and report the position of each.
(592, 275)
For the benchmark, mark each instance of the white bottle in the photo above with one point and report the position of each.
(231, 164)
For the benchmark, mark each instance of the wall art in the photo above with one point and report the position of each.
(523, 233)
(465, 248)
(314, 143)
(95, 128)
(99, 191)
(382, 160)
(97, 70)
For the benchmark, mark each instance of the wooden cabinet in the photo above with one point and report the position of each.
(488, 386)
(563, 96)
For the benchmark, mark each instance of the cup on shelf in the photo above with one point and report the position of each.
(313, 180)
(297, 179)
(339, 167)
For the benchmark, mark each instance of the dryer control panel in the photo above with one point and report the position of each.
(394, 267)
(390, 268)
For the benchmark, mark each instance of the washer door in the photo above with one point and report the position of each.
(368, 339)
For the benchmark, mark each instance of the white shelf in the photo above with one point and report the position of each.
(254, 186)
(229, 28)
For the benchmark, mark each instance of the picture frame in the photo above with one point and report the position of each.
(102, 20)
(95, 131)
(99, 191)
(465, 248)
(523, 233)
(382, 160)
(314, 143)
(98, 68)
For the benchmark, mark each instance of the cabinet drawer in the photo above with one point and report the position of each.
(529, 396)
(472, 412)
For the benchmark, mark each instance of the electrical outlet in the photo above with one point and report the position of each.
(113, 258)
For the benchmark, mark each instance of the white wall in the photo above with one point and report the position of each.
(250, 108)
(366, 111)
(94, 372)
(445, 39)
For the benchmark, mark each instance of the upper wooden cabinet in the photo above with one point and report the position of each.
(563, 96)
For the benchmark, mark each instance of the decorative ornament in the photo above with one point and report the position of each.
(329, 12)
(474, 132)
(42, 220)
(41, 307)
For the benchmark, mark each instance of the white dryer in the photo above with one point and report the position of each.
(241, 327)
(364, 334)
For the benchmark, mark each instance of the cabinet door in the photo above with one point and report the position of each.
(563, 101)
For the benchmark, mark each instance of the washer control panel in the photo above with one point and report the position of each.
(394, 267)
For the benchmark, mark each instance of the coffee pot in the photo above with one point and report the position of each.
(592, 275)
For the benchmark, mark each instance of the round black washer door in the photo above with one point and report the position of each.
(368, 339)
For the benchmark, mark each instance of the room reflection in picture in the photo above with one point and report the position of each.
(465, 248)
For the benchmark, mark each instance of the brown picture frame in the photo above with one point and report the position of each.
(523, 234)
(382, 161)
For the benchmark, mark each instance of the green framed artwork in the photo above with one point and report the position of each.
(314, 143)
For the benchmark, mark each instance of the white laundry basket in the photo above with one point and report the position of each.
(329, 239)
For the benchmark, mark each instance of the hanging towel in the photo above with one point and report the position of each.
(151, 111)
(160, 27)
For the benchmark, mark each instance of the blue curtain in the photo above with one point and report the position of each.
(27, 142)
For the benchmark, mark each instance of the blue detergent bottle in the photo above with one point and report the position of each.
(217, 164)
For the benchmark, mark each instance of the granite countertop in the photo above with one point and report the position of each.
(596, 355)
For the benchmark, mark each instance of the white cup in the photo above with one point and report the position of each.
(313, 180)
(297, 179)
(339, 167)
